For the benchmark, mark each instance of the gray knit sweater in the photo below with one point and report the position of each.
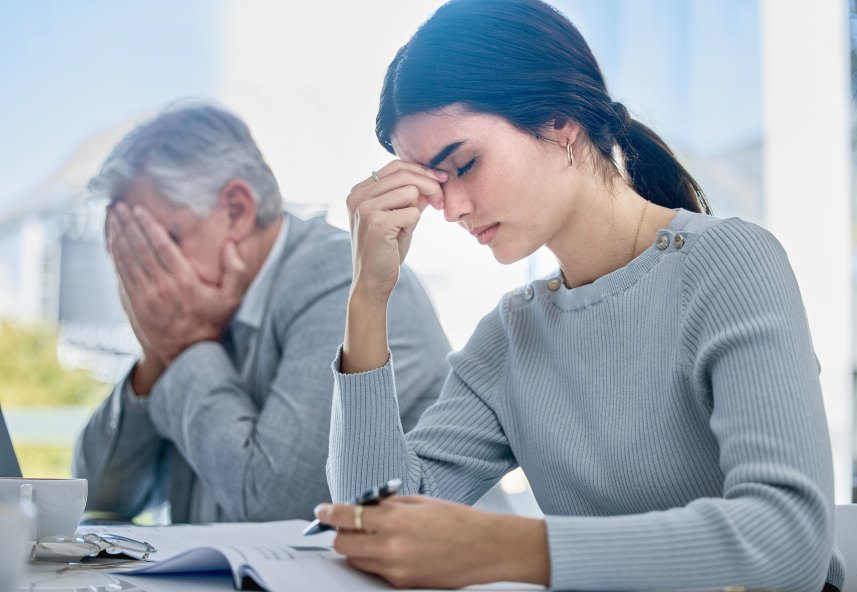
(668, 416)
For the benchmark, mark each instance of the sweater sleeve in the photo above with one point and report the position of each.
(750, 361)
(457, 450)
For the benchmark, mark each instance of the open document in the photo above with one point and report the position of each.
(274, 555)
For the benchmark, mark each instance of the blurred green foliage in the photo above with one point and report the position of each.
(31, 375)
(44, 461)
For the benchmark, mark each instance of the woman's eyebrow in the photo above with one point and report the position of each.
(445, 153)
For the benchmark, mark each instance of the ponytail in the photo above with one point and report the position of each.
(653, 170)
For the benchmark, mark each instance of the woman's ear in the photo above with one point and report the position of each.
(237, 199)
(564, 131)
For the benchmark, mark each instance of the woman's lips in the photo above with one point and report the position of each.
(486, 233)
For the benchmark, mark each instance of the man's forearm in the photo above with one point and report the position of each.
(145, 374)
(118, 453)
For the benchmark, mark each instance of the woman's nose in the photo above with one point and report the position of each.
(456, 205)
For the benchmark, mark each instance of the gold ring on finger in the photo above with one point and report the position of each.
(358, 517)
(375, 176)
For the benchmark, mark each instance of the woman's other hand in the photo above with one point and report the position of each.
(414, 541)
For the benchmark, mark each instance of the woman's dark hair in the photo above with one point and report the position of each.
(524, 61)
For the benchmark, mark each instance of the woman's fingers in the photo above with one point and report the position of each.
(384, 224)
(387, 216)
(350, 516)
(401, 197)
(359, 544)
(400, 165)
(371, 518)
(384, 214)
(426, 185)
(405, 220)
(406, 500)
(367, 564)
(389, 226)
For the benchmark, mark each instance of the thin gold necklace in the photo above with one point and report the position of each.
(633, 247)
(637, 234)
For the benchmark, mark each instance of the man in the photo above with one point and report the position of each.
(239, 309)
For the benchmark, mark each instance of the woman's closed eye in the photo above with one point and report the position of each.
(466, 168)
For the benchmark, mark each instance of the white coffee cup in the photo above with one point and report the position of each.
(59, 503)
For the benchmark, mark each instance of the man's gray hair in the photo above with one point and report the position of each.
(190, 151)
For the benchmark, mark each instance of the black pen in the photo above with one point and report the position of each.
(372, 497)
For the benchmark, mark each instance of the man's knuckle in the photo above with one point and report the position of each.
(162, 249)
(160, 296)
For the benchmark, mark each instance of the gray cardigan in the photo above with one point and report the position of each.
(220, 447)
(668, 416)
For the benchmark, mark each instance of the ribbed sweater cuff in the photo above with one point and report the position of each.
(584, 550)
(651, 549)
(379, 380)
(367, 444)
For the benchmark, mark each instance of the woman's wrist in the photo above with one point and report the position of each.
(519, 549)
(368, 293)
(365, 345)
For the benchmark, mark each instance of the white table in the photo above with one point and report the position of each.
(55, 579)
(51, 578)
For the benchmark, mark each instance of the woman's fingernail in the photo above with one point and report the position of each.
(320, 508)
(440, 175)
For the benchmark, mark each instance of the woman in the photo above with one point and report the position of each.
(660, 390)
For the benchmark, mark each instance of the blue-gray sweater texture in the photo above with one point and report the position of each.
(668, 416)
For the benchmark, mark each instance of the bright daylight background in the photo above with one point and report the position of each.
(753, 94)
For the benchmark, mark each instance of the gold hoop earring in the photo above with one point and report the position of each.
(570, 154)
